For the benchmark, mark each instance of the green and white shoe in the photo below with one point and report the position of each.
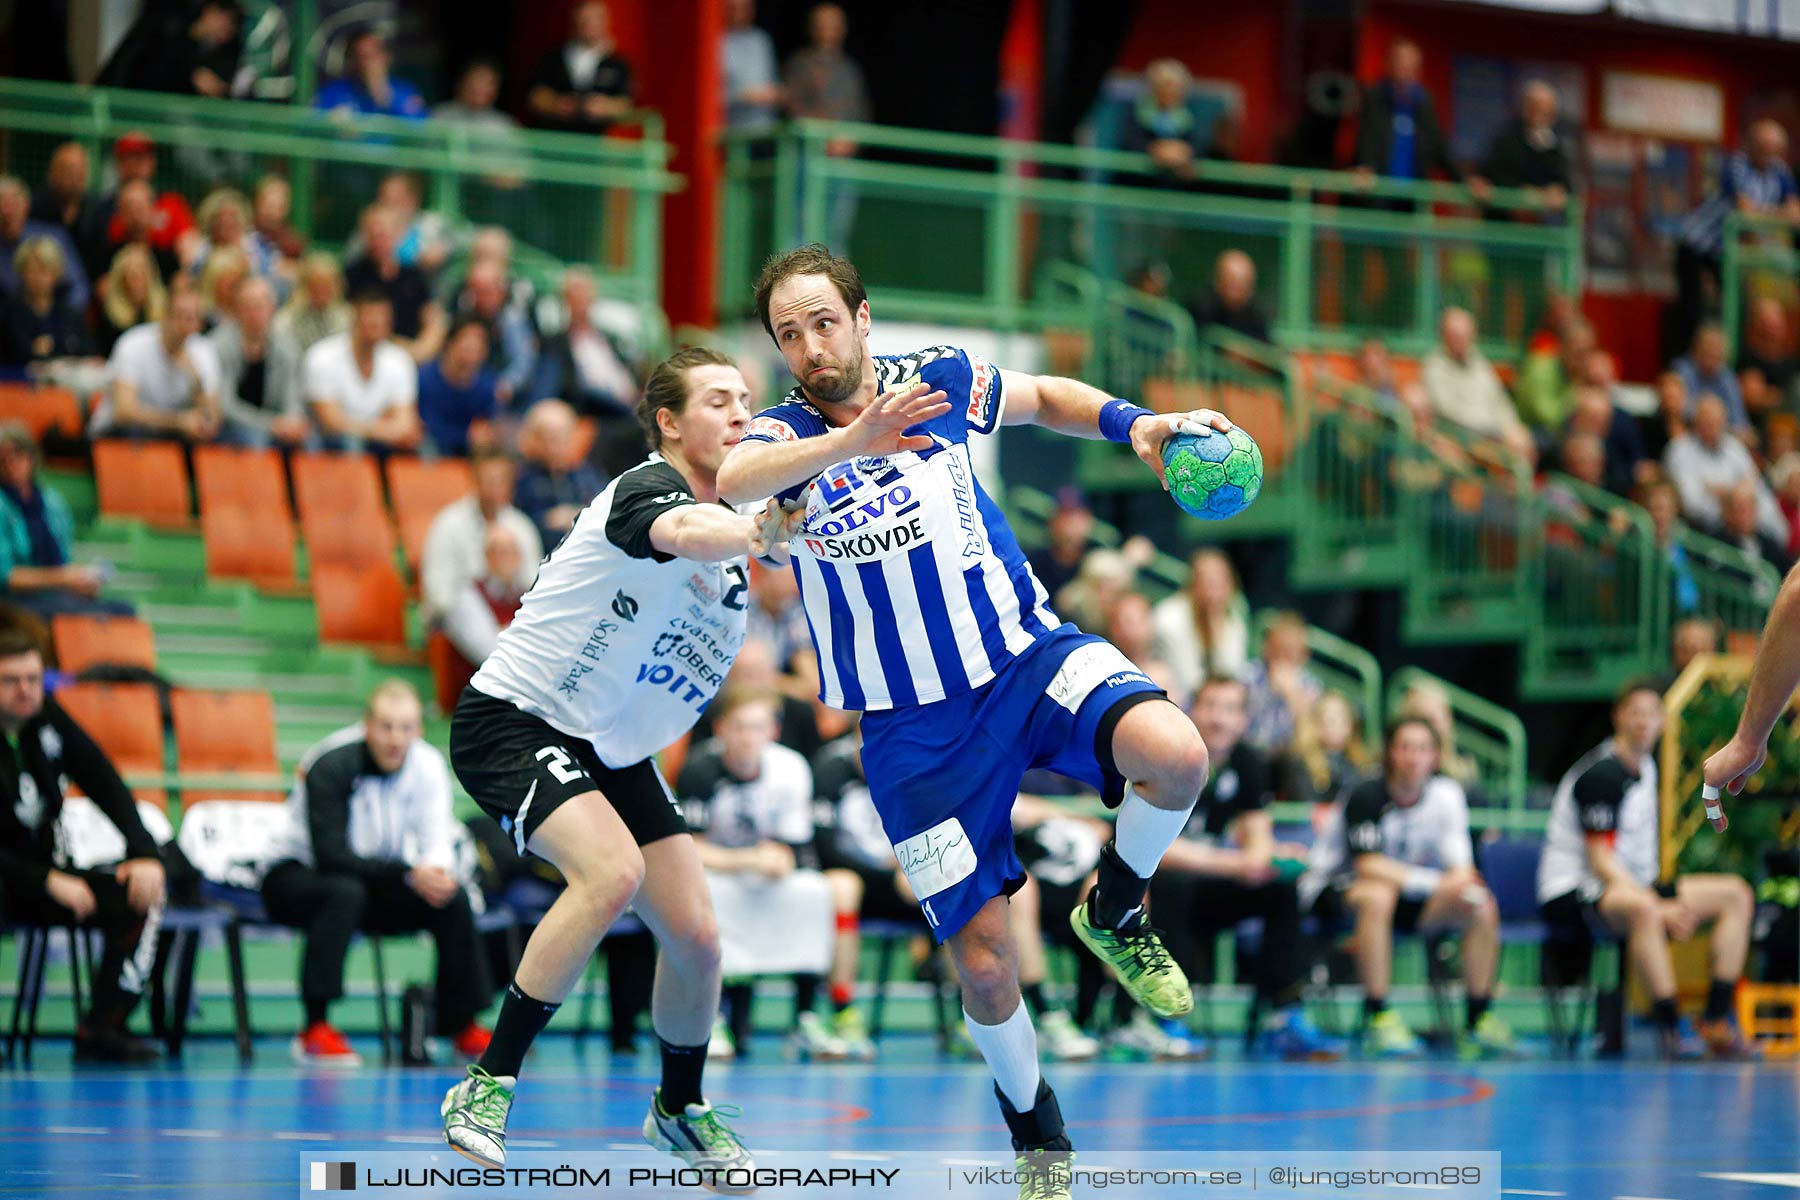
(849, 1028)
(474, 1113)
(699, 1137)
(1044, 1174)
(1387, 1036)
(1137, 956)
(1490, 1038)
(720, 1047)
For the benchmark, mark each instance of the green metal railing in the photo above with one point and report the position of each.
(1341, 666)
(953, 228)
(1734, 587)
(1758, 259)
(573, 199)
(1490, 736)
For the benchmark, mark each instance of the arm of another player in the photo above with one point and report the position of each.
(1075, 408)
(702, 532)
(756, 469)
(1772, 683)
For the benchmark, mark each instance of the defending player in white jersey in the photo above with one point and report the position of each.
(927, 618)
(626, 635)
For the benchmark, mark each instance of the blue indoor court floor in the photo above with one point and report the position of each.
(1596, 1131)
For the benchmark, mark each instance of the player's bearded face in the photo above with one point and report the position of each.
(834, 380)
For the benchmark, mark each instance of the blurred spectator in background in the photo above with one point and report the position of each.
(131, 294)
(65, 201)
(1689, 640)
(1663, 503)
(455, 553)
(1627, 463)
(1547, 381)
(489, 603)
(1162, 125)
(37, 539)
(1327, 755)
(170, 218)
(225, 267)
(825, 83)
(1464, 388)
(1430, 702)
(418, 320)
(36, 324)
(757, 669)
(424, 237)
(1707, 464)
(1232, 302)
(17, 227)
(753, 95)
(1580, 456)
(1784, 480)
(1279, 686)
(457, 394)
(1069, 536)
(187, 50)
(1670, 420)
(132, 223)
(1088, 599)
(777, 617)
(582, 86)
(259, 372)
(1769, 350)
(164, 378)
(361, 387)
(477, 89)
(556, 482)
(1706, 370)
(271, 214)
(1528, 152)
(223, 221)
(511, 346)
(1755, 180)
(583, 364)
(1202, 630)
(1129, 627)
(367, 88)
(1399, 136)
(1743, 523)
(317, 309)
(1375, 370)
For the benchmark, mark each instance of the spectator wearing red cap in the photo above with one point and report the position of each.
(134, 158)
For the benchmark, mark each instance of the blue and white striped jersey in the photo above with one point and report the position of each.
(914, 586)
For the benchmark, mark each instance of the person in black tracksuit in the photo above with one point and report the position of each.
(42, 744)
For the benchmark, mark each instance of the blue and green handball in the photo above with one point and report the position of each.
(1213, 475)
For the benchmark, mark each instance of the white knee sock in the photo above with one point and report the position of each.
(1145, 832)
(1010, 1049)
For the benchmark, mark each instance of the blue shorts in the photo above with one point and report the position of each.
(944, 776)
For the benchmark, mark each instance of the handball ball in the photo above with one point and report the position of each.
(1213, 475)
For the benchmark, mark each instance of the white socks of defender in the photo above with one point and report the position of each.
(1145, 832)
(1010, 1049)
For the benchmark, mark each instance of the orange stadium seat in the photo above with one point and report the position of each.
(145, 480)
(365, 605)
(415, 527)
(350, 537)
(251, 544)
(336, 483)
(416, 485)
(123, 718)
(247, 479)
(225, 733)
(41, 409)
(83, 640)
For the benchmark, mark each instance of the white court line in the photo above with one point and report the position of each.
(1787, 1181)
(193, 1133)
(75, 1129)
(301, 1135)
(409, 1140)
(1528, 1192)
(523, 1144)
(846, 1156)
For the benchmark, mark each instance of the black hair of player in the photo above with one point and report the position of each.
(814, 258)
(1634, 685)
(1398, 726)
(370, 295)
(667, 386)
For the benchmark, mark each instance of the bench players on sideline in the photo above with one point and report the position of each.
(1397, 856)
(1601, 869)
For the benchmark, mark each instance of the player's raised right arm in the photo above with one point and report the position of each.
(1772, 683)
(757, 469)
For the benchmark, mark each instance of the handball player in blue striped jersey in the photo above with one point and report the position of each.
(928, 620)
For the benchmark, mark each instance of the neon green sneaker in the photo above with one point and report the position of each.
(474, 1113)
(699, 1136)
(1044, 1174)
(849, 1028)
(1388, 1036)
(1490, 1038)
(1138, 958)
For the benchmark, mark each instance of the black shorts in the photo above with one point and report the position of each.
(520, 769)
(1575, 916)
(1335, 912)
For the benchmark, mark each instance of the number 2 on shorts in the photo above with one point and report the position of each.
(557, 759)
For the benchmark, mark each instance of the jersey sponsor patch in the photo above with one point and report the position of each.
(1089, 667)
(937, 859)
(770, 429)
(984, 390)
